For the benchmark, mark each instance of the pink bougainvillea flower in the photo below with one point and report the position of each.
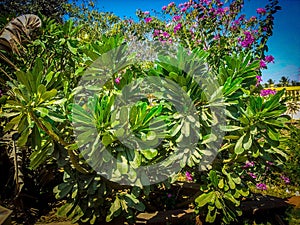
(117, 80)
(269, 58)
(258, 80)
(248, 39)
(148, 19)
(252, 175)
(262, 64)
(188, 176)
(177, 27)
(261, 186)
(164, 8)
(266, 92)
(261, 11)
(176, 18)
(221, 11)
(156, 33)
(217, 37)
(166, 34)
(171, 4)
(248, 164)
(252, 19)
(146, 13)
(285, 179)
(207, 2)
(183, 9)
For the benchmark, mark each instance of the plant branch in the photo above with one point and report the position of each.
(54, 136)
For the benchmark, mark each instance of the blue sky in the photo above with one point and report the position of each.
(284, 45)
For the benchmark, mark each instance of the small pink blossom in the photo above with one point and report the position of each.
(269, 59)
(258, 80)
(217, 37)
(285, 179)
(248, 39)
(252, 175)
(248, 164)
(261, 186)
(148, 19)
(146, 13)
(266, 92)
(117, 80)
(176, 18)
(188, 176)
(171, 4)
(261, 11)
(156, 33)
(262, 64)
(164, 8)
(242, 17)
(183, 9)
(177, 27)
(252, 19)
(166, 34)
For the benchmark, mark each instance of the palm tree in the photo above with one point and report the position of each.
(270, 82)
(292, 108)
(295, 83)
(284, 81)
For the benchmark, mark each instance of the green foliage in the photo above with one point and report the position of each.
(52, 8)
(53, 113)
(292, 146)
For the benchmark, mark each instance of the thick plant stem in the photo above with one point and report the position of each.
(6, 74)
(73, 157)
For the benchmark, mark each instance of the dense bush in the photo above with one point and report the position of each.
(55, 105)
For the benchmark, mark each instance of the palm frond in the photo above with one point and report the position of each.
(16, 32)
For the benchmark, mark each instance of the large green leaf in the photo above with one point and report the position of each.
(238, 148)
(149, 153)
(204, 198)
(116, 206)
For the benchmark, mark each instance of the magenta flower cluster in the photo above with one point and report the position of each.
(261, 186)
(148, 20)
(162, 36)
(171, 4)
(258, 80)
(177, 27)
(252, 175)
(261, 11)
(262, 64)
(188, 176)
(248, 39)
(267, 92)
(285, 179)
(118, 80)
(269, 59)
(248, 164)
(176, 18)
